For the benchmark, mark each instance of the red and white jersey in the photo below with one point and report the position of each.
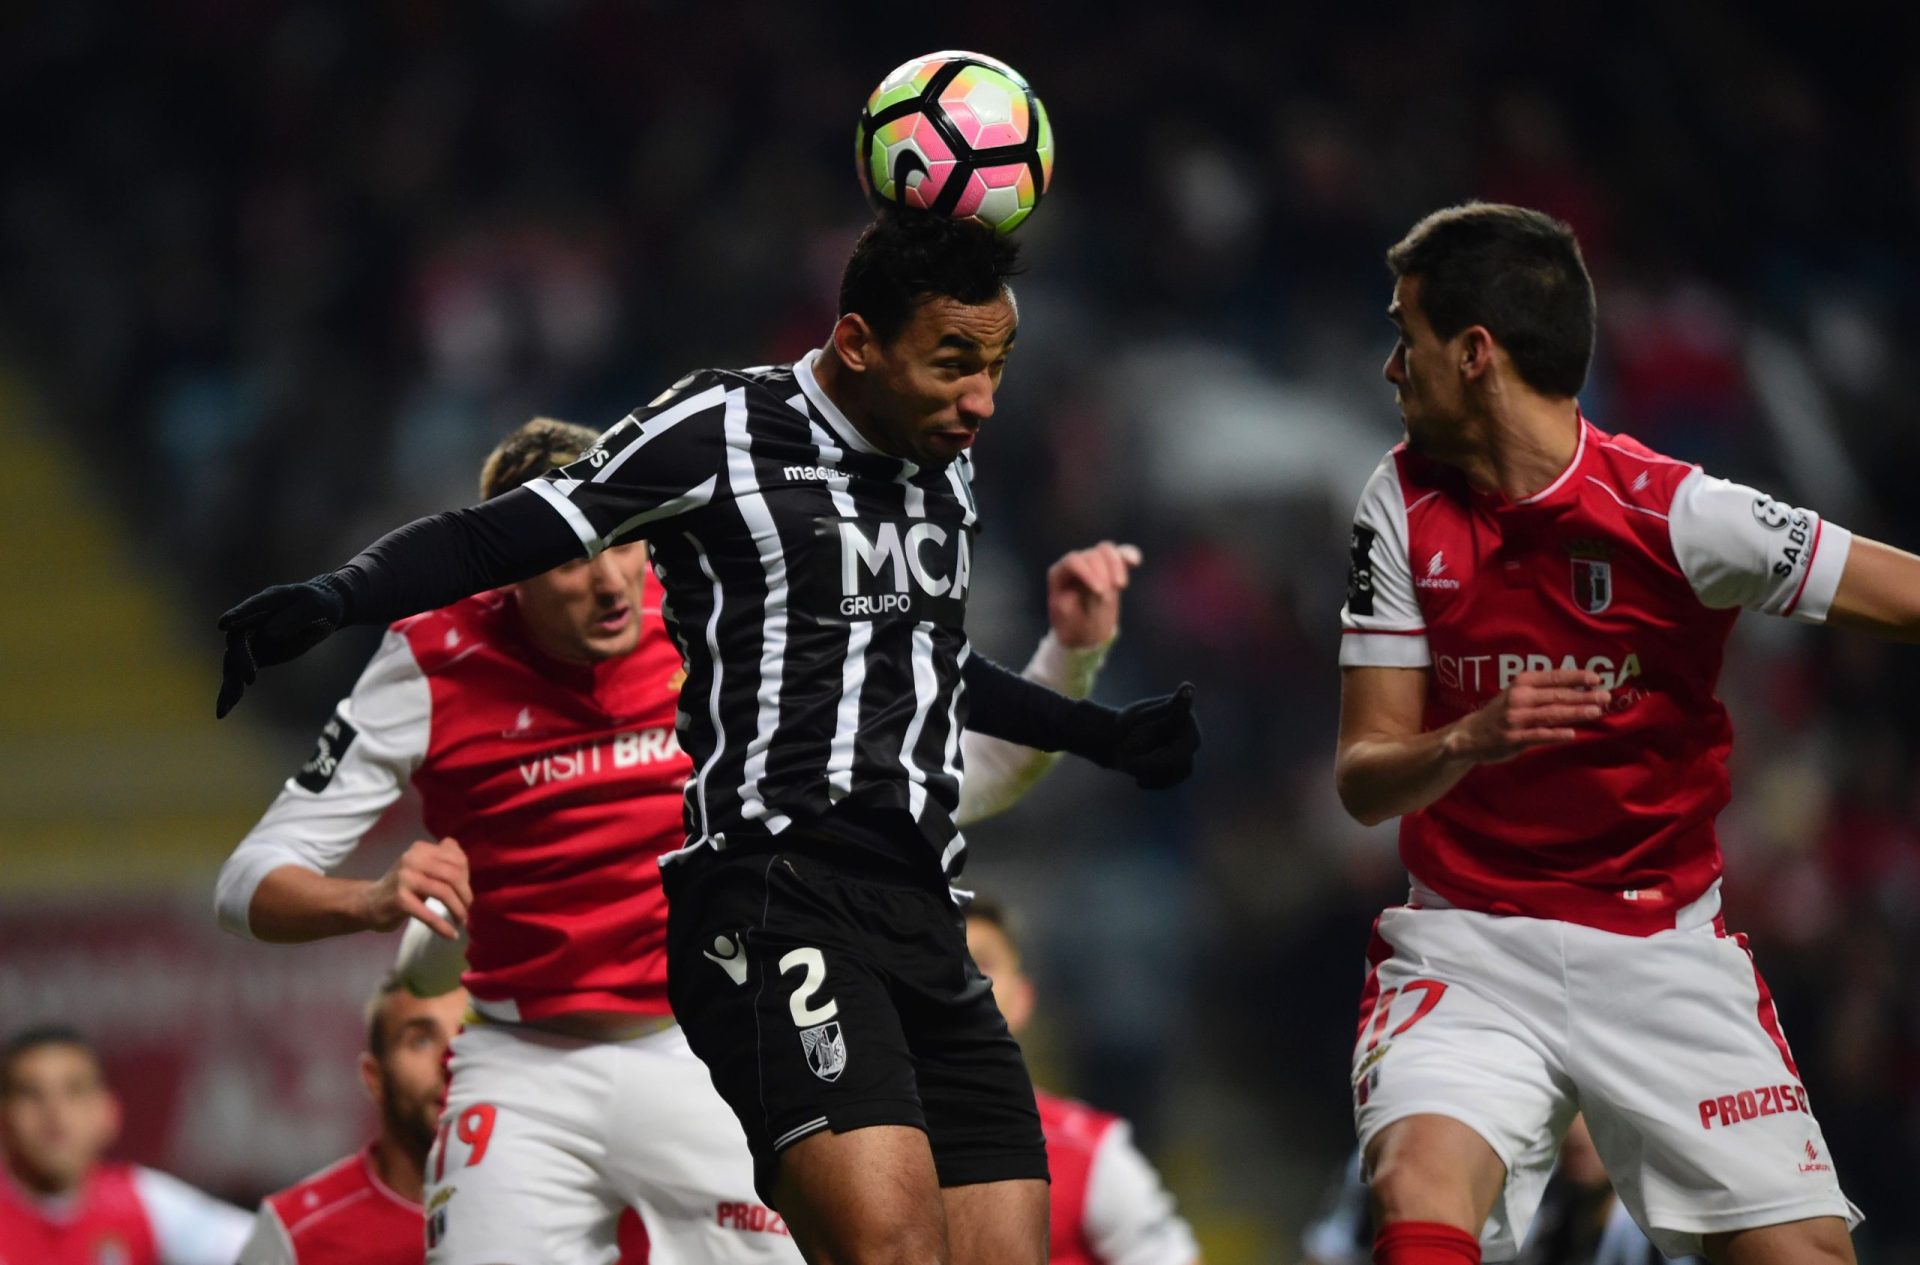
(121, 1215)
(1631, 565)
(342, 1215)
(1107, 1205)
(562, 783)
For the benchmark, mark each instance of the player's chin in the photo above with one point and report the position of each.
(603, 644)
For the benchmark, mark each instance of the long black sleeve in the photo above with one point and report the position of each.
(442, 558)
(1003, 704)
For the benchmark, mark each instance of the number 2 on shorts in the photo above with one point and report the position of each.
(800, 1005)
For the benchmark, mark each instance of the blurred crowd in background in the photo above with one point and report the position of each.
(274, 276)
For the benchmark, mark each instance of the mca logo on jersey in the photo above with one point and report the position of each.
(910, 568)
(335, 737)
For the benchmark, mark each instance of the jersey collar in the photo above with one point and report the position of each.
(1556, 491)
(829, 411)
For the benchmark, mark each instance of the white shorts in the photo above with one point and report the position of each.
(546, 1139)
(1669, 1044)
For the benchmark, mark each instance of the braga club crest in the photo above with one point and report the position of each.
(1592, 575)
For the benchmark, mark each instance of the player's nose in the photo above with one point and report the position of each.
(1395, 370)
(976, 403)
(607, 579)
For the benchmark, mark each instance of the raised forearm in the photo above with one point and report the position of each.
(1389, 776)
(293, 905)
(1004, 704)
(1879, 592)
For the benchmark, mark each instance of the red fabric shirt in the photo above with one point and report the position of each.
(1074, 1132)
(563, 785)
(104, 1224)
(345, 1215)
(1630, 565)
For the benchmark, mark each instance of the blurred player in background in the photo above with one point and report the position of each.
(1534, 628)
(1107, 1206)
(366, 1209)
(61, 1203)
(1581, 1220)
(537, 722)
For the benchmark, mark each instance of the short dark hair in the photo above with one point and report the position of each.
(29, 1039)
(995, 915)
(906, 257)
(1515, 271)
(390, 984)
(541, 445)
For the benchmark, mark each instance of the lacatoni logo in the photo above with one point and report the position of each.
(1491, 673)
(911, 568)
(1436, 576)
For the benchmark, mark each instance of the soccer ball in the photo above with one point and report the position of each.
(959, 134)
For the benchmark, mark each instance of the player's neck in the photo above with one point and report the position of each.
(398, 1168)
(38, 1186)
(1524, 446)
(835, 382)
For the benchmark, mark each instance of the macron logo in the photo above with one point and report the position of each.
(817, 474)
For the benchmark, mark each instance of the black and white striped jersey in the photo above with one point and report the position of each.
(817, 588)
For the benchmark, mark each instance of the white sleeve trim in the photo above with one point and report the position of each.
(270, 1244)
(998, 774)
(1740, 547)
(556, 496)
(376, 739)
(190, 1227)
(1385, 650)
(1130, 1217)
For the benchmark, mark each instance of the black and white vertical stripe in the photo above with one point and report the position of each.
(737, 478)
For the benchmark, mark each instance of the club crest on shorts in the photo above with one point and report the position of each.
(826, 1050)
(1592, 575)
(437, 1216)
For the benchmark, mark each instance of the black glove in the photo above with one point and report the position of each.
(273, 626)
(1154, 740)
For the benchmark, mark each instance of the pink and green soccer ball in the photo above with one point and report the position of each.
(959, 134)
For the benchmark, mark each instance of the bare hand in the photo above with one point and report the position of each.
(1540, 709)
(424, 869)
(1083, 594)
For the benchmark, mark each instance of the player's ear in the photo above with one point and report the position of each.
(854, 342)
(1476, 352)
(370, 1076)
(111, 1121)
(1014, 992)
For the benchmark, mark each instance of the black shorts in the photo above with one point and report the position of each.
(831, 993)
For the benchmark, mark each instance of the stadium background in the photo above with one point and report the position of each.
(274, 276)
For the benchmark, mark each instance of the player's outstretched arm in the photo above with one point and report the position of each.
(1387, 765)
(1153, 741)
(1879, 591)
(1083, 618)
(294, 904)
(420, 567)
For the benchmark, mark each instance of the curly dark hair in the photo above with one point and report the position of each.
(906, 257)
